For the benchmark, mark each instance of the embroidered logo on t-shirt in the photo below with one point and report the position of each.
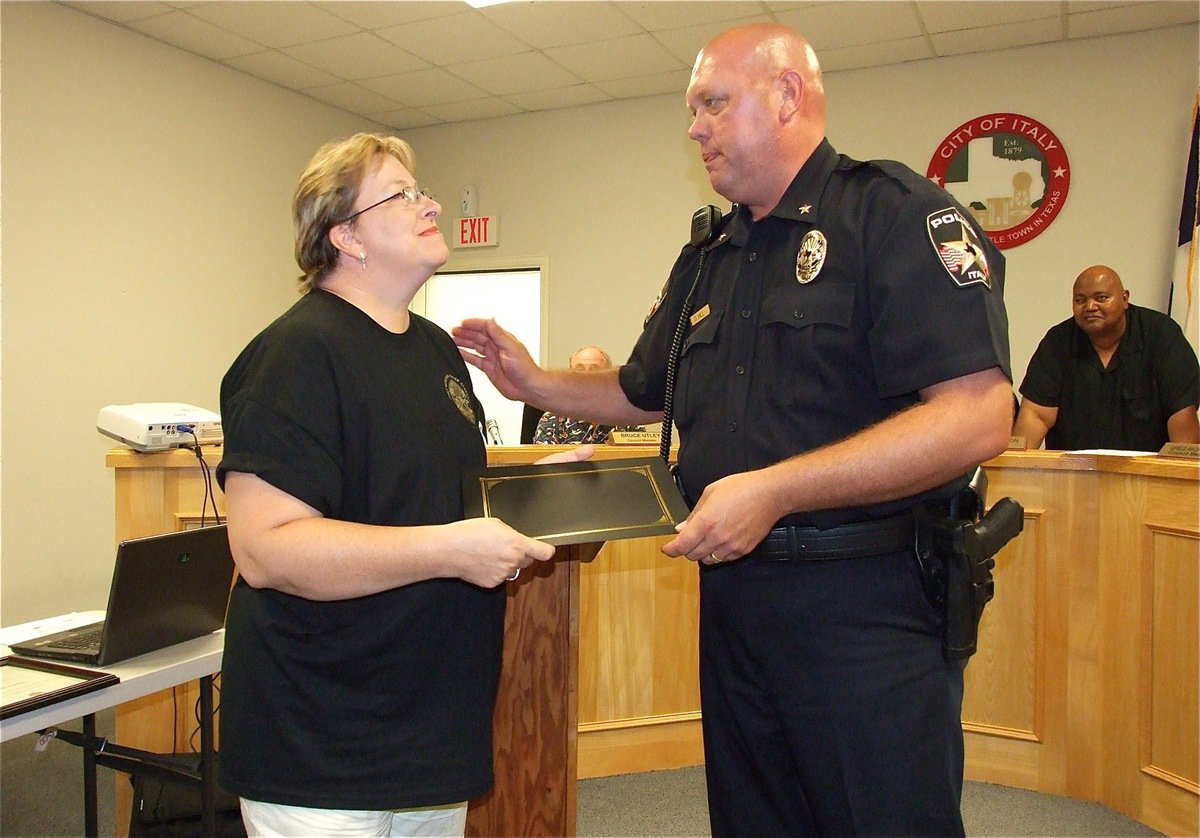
(457, 392)
(958, 247)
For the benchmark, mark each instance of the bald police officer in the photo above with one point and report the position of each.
(845, 360)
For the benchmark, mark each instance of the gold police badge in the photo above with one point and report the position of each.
(811, 257)
(457, 392)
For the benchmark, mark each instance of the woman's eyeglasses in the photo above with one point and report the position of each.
(409, 194)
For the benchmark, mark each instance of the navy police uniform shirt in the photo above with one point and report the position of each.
(864, 285)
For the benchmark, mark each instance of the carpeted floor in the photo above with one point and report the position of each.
(673, 803)
(40, 795)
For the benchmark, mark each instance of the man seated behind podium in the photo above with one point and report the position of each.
(1115, 375)
(557, 430)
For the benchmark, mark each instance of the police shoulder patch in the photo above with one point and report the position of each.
(657, 302)
(958, 247)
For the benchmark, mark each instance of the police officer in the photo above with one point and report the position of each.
(845, 359)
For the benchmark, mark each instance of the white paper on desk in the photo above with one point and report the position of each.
(1112, 452)
(18, 684)
(49, 625)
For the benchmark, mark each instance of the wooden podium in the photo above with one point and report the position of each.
(534, 737)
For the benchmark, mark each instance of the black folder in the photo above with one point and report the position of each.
(575, 503)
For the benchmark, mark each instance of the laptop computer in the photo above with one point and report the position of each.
(165, 589)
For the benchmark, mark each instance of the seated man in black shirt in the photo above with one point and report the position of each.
(1115, 376)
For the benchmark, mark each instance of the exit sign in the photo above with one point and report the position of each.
(478, 231)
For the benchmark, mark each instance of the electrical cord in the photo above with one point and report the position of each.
(208, 481)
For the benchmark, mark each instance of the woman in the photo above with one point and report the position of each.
(364, 633)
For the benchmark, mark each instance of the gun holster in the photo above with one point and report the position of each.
(956, 548)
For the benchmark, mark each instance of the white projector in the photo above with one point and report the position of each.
(159, 426)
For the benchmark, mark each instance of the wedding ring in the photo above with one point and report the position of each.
(713, 556)
(517, 573)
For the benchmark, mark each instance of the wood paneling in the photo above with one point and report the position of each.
(1085, 682)
(1118, 543)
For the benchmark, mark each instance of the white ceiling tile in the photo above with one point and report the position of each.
(792, 5)
(998, 37)
(478, 109)
(1135, 18)
(358, 56)
(561, 23)
(875, 55)
(1096, 5)
(634, 55)
(275, 67)
(194, 35)
(122, 11)
(559, 97)
(542, 54)
(273, 24)
(373, 14)
(406, 118)
(424, 87)
(351, 97)
(454, 39)
(675, 81)
(849, 24)
(686, 42)
(657, 15)
(516, 73)
(977, 14)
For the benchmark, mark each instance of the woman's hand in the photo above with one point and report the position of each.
(575, 455)
(488, 552)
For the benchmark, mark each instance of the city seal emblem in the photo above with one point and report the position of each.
(1009, 171)
(457, 392)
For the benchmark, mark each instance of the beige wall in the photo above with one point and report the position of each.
(146, 236)
(607, 191)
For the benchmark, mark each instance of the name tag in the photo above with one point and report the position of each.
(700, 315)
(1180, 450)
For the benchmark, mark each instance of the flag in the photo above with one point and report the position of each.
(1183, 289)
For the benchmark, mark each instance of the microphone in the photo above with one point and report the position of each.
(493, 432)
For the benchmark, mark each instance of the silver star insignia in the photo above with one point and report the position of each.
(805, 208)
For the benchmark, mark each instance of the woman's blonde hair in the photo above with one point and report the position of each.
(326, 194)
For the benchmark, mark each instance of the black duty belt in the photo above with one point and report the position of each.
(849, 541)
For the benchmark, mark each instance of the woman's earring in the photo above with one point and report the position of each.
(362, 257)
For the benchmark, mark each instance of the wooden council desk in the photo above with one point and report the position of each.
(1085, 683)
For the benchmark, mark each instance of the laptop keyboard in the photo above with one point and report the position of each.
(87, 640)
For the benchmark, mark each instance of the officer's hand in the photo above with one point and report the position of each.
(502, 358)
(733, 516)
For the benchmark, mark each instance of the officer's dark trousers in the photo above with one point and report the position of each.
(828, 708)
